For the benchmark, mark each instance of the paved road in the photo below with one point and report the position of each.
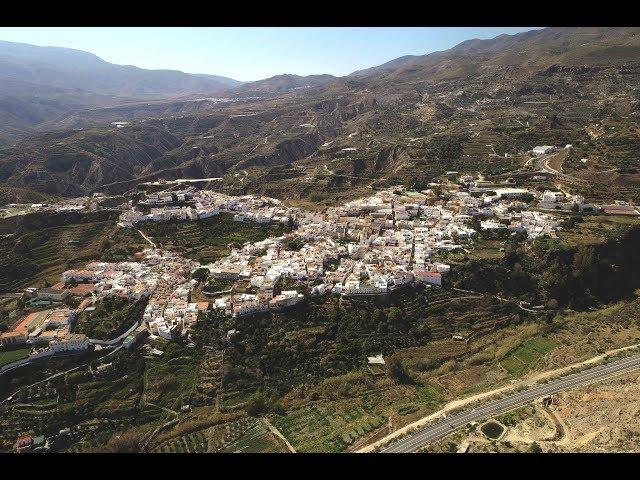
(183, 180)
(542, 163)
(50, 377)
(444, 427)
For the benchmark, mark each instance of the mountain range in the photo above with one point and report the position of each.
(38, 84)
(476, 107)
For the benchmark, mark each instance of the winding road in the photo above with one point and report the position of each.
(50, 377)
(445, 426)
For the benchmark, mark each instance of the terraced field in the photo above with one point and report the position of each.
(256, 439)
(230, 400)
(248, 435)
(595, 229)
(112, 317)
(107, 401)
(207, 240)
(192, 443)
(526, 355)
(324, 428)
(171, 378)
(209, 377)
(477, 147)
(449, 312)
(42, 256)
(36, 256)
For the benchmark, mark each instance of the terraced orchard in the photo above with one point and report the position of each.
(322, 428)
(40, 247)
(40, 256)
(248, 435)
(256, 439)
(207, 240)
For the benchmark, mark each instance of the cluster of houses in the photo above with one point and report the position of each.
(369, 246)
(247, 303)
(160, 276)
(49, 327)
(193, 204)
(374, 245)
(26, 443)
(544, 149)
(559, 201)
(92, 203)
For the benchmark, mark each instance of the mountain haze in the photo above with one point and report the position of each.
(69, 68)
(39, 84)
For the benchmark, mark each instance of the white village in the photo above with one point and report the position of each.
(369, 246)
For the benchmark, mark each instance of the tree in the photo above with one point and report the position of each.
(201, 274)
(293, 243)
(290, 224)
(475, 224)
(582, 265)
(571, 222)
(552, 304)
(395, 317)
(21, 303)
(257, 404)
(397, 371)
(535, 448)
(105, 245)
(554, 281)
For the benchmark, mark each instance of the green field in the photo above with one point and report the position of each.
(430, 395)
(257, 439)
(209, 440)
(514, 416)
(112, 317)
(326, 427)
(526, 355)
(207, 240)
(171, 378)
(13, 355)
(487, 249)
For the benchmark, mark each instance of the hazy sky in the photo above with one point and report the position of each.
(253, 53)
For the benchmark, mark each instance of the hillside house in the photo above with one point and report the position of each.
(425, 276)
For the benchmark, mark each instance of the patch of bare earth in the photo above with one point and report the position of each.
(602, 417)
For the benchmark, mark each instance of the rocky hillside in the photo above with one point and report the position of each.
(281, 84)
(72, 163)
(476, 107)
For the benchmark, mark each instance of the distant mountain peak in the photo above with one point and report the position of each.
(284, 82)
(70, 68)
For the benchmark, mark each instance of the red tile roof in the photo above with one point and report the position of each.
(427, 273)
